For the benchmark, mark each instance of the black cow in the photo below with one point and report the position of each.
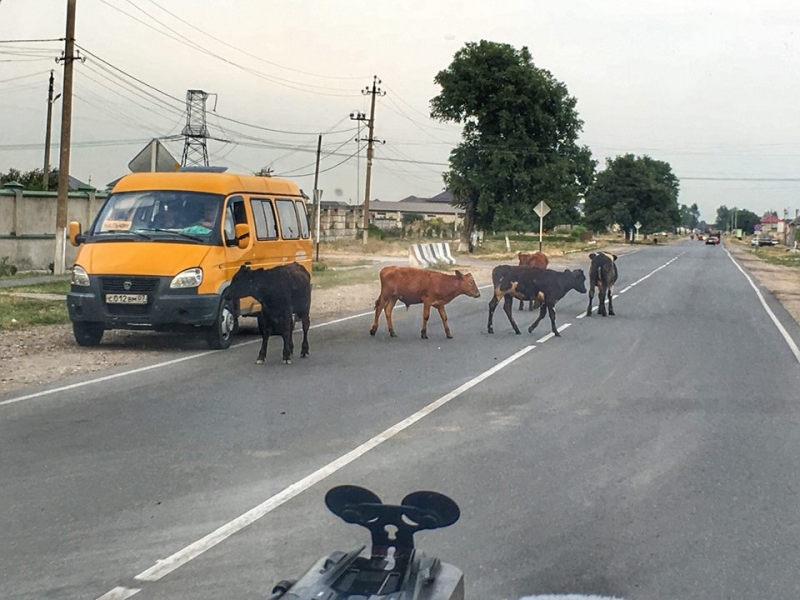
(282, 292)
(544, 285)
(602, 275)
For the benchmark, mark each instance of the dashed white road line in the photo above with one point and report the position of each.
(789, 341)
(120, 593)
(160, 365)
(551, 335)
(192, 551)
(638, 281)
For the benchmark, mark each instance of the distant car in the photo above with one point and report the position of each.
(712, 240)
(763, 240)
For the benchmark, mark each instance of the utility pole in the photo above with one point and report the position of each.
(374, 92)
(66, 137)
(50, 102)
(195, 132)
(317, 198)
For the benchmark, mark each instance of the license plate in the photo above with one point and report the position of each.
(126, 298)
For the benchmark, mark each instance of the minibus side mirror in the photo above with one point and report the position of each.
(242, 235)
(75, 236)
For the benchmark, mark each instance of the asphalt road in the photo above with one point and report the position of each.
(650, 455)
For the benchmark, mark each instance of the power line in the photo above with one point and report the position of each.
(187, 42)
(223, 42)
(330, 168)
(25, 76)
(170, 96)
(30, 41)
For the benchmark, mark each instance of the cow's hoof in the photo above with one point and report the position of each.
(490, 330)
(611, 313)
(588, 313)
(530, 329)
(555, 333)
(449, 336)
(518, 332)
(424, 335)
(372, 332)
(392, 334)
(304, 355)
(260, 361)
(287, 361)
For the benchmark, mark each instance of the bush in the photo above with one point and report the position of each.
(318, 267)
(376, 232)
(7, 269)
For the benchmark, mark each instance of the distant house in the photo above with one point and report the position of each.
(389, 214)
(771, 224)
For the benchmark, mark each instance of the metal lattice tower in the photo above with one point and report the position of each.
(195, 133)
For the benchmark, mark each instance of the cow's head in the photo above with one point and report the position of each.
(579, 281)
(467, 285)
(243, 283)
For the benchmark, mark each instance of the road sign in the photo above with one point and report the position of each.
(638, 225)
(541, 209)
(153, 158)
(757, 228)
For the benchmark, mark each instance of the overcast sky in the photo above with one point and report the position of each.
(710, 87)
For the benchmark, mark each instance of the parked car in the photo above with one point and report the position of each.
(763, 240)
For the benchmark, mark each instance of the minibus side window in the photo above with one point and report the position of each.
(290, 228)
(234, 215)
(303, 216)
(264, 216)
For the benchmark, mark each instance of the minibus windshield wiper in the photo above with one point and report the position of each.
(125, 232)
(180, 233)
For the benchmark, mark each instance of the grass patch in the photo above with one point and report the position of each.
(785, 259)
(51, 287)
(18, 313)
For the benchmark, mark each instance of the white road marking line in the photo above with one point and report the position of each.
(789, 341)
(119, 593)
(550, 335)
(160, 365)
(180, 558)
(637, 282)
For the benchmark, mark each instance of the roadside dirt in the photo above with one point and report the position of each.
(783, 282)
(40, 355)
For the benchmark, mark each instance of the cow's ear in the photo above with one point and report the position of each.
(615, 256)
(592, 255)
(459, 275)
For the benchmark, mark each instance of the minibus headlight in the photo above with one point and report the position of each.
(187, 279)
(79, 276)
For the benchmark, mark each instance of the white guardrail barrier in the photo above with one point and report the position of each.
(428, 255)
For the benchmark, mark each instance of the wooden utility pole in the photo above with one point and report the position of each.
(66, 137)
(374, 92)
(317, 198)
(48, 130)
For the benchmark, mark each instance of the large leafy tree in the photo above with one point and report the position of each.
(742, 218)
(690, 216)
(30, 180)
(519, 142)
(634, 188)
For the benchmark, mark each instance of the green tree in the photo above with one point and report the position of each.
(690, 216)
(30, 180)
(744, 219)
(519, 142)
(632, 189)
(724, 218)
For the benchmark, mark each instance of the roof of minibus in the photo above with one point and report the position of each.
(213, 183)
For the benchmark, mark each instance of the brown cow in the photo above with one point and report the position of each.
(417, 286)
(532, 259)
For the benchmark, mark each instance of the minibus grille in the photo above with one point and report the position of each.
(132, 285)
(128, 310)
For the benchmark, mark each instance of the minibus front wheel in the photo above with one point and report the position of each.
(88, 333)
(220, 334)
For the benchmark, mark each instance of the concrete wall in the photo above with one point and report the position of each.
(338, 223)
(28, 223)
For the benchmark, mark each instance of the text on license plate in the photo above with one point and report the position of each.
(126, 298)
